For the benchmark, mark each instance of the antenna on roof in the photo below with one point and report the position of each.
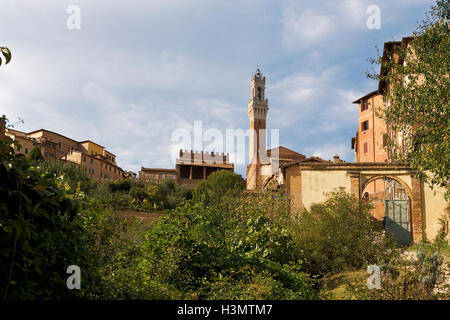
(15, 123)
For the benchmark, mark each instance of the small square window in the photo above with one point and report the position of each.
(365, 125)
(364, 105)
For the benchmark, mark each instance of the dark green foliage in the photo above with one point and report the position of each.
(220, 188)
(138, 193)
(35, 157)
(419, 94)
(121, 186)
(37, 236)
(419, 275)
(75, 177)
(234, 255)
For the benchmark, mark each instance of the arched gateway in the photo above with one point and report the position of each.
(410, 209)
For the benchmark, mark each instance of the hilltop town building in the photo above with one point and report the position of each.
(410, 209)
(191, 168)
(157, 175)
(371, 141)
(99, 163)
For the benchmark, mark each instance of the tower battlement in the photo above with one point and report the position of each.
(203, 157)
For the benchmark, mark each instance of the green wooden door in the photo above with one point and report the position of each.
(397, 220)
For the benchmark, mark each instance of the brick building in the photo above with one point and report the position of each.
(191, 168)
(99, 163)
(157, 175)
(371, 141)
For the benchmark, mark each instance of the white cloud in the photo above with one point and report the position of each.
(138, 70)
(306, 27)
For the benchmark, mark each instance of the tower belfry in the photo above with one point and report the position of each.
(258, 106)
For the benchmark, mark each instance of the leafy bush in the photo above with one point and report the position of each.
(35, 157)
(421, 277)
(37, 231)
(154, 194)
(75, 176)
(211, 252)
(138, 193)
(220, 188)
(340, 234)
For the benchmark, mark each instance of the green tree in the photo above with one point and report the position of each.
(75, 176)
(154, 194)
(419, 92)
(38, 236)
(340, 234)
(220, 187)
(35, 156)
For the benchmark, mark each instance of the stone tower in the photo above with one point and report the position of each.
(257, 112)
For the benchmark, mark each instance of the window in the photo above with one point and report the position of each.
(385, 140)
(84, 158)
(92, 161)
(366, 148)
(18, 148)
(364, 105)
(365, 125)
(101, 164)
(26, 150)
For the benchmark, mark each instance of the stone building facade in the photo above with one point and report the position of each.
(99, 163)
(157, 175)
(371, 141)
(190, 169)
(263, 169)
(307, 183)
(192, 166)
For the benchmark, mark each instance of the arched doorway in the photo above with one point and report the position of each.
(391, 202)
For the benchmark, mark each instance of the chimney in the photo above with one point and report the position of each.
(336, 159)
(2, 126)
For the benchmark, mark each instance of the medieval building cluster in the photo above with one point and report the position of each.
(408, 207)
(99, 162)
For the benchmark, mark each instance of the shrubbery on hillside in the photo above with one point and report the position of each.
(340, 234)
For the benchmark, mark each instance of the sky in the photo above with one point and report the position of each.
(135, 72)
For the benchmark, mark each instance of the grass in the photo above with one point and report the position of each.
(335, 286)
(444, 249)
